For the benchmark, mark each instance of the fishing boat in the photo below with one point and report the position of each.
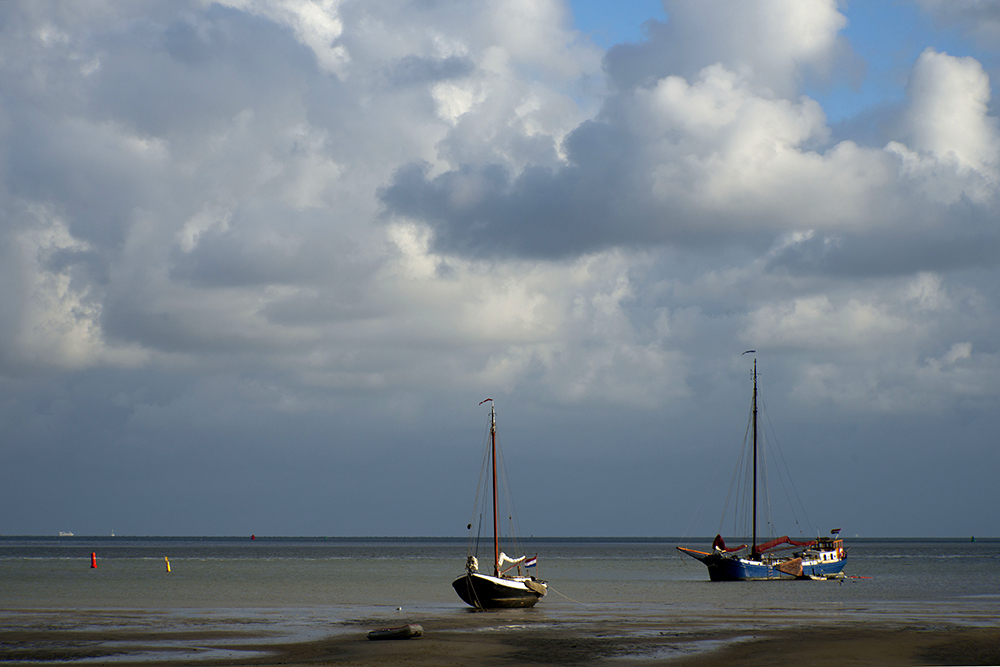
(507, 583)
(820, 558)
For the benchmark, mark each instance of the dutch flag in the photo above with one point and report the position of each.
(531, 562)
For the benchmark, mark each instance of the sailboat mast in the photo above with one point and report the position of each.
(753, 548)
(496, 533)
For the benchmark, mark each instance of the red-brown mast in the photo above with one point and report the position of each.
(493, 451)
(496, 533)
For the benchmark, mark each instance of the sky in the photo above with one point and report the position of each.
(260, 261)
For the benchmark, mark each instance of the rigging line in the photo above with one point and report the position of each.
(742, 510)
(766, 482)
(479, 605)
(765, 505)
(479, 489)
(504, 482)
(749, 470)
(746, 509)
(701, 504)
(565, 596)
(512, 540)
(784, 487)
(708, 489)
(513, 525)
(791, 481)
(735, 482)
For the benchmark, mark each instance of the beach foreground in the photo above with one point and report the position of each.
(486, 639)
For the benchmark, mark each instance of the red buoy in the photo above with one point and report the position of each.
(93, 559)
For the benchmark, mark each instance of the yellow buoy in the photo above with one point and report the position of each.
(168, 563)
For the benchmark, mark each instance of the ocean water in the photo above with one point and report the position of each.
(304, 588)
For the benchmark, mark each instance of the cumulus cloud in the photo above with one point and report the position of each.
(770, 43)
(50, 310)
(316, 24)
(258, 214)
(565, 326)
(954, 147)
(679, 159)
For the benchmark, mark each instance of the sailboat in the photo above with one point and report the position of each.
(822, 558)
(503, 586)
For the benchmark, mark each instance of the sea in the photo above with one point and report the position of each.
(305, 588)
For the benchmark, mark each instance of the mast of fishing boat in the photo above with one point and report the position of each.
(753, 547)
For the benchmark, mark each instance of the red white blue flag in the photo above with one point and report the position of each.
(531, 562)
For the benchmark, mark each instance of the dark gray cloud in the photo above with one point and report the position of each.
(900, 252)
(979, 20)
(413, 70)
(485, 211)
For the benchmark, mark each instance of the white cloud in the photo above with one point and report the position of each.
(743, 149)
(537, 33)
(454, 100)
(564, 326)
(724, 150)
(816, 322)
(932, 386)
(209, 218)
(927, 290)
(57, 317)
(768, 41)
(954, 144)
(259, 228)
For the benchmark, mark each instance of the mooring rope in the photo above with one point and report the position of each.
(565, 596)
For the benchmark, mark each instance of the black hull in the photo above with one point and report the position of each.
(484, 592)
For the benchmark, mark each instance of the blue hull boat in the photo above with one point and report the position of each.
(822, 558)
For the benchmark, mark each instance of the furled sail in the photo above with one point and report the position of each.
(504, 558)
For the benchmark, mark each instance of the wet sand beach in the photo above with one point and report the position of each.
(494, 638)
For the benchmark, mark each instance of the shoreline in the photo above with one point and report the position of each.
(496, 638)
